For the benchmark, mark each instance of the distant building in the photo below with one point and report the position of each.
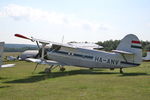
(147, 58)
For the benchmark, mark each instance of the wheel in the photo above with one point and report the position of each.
(91, 68)
(62, 69)
(47, 70)
(111, 68)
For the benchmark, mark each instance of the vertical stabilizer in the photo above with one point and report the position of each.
(1, 52)
(132, 44)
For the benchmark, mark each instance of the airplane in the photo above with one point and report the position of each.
(11, 58)
(1, 54)
(147, 58)
(127, 54)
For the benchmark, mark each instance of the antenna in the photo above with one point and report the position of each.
(62, 39)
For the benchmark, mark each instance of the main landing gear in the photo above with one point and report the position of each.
(48, 70)
(121, 70)
(62, 69)
(91, 68)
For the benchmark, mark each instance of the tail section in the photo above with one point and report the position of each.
(131, 44)
(1, 52)
(1, 56)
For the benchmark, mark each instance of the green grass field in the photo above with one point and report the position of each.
(75, 83)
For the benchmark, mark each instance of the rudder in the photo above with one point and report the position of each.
(1, 52)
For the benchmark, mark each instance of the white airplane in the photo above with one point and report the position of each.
(1, 53)
(127, 54)
(11, 58)
(147, 58)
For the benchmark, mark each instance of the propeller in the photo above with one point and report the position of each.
(21, 36)
(41, 52)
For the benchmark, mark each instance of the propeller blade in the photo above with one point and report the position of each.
(21, 36)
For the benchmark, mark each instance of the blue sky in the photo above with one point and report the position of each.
(76, 20)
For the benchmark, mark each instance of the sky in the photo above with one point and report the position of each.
(75, 20)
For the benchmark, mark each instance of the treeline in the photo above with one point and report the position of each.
(6, 49)
(145, 45)
(108, 46)
(112, 45)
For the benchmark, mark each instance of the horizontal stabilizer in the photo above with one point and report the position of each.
(7, 65)
(122, 52)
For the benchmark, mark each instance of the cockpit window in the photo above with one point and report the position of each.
(55, 47)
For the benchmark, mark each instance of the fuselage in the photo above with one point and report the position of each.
(90, 58)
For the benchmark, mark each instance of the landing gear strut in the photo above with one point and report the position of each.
(48, 70)
(121, 71)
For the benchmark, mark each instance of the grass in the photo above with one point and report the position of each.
(75, 83)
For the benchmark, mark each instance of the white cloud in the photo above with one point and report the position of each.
(147, 24)
(27, 13)
(18, 12)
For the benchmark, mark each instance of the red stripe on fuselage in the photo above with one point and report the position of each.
(136, 42)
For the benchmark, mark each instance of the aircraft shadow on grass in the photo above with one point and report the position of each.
(43, 76)
(1, 78)
(4, 87)
(134, 74)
